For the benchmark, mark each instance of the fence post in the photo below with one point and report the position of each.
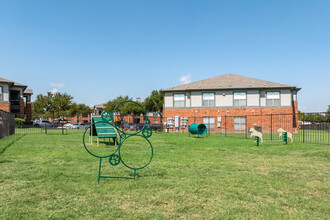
(225, 126)
(45, 129)
(271, 127)
(303, 122)
(62, 129)
(245, 127)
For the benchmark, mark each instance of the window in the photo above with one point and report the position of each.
(273, 99)
(1, 91)
(179, 100)
(239, 98)
(208, 99)
(239, 123)
(209, 122)
(155, 122)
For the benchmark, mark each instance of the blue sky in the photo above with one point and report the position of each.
(98, 50)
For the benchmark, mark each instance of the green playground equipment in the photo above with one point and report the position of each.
(102, 129)
(257, 140)
(199, 129)
(103, 126)
(285, 137)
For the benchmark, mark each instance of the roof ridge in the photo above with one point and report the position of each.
(228, 81)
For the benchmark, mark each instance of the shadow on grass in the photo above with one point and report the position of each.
(10, 144)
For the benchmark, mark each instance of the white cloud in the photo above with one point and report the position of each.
(54, 91)
(59, 85)
(185, 79)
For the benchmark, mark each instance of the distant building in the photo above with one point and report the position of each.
(153, 117)
(228, 95)
(16, 98)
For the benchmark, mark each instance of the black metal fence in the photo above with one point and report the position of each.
(7, 124)
(53, 129)
(305, 127)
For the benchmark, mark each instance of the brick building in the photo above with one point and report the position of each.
(229, 96)
(15, 98)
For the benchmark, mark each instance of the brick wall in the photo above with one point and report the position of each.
(5, 107)
(130, 119)
(269, 119)
(77, 119)
(21, 108)
(28, 111)
(224, 112)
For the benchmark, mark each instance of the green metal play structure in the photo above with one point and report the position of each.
(103, 126)
(102, 129)
(199, 129)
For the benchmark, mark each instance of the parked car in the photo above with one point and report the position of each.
(156, 127)
(129, 126)
(68, 125)
(140, 126)
(42, 123)
(81, 125)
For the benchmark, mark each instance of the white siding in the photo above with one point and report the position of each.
(187, 97)
(5, 90)
(285, 97)
(224, 98)
(168, 100)
(253, 98)
(196, 99)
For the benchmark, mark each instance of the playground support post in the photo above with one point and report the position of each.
(91, 128)
(258, 140)
(285, 137)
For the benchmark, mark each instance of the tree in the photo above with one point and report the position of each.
(38, 109)
(110, 106)
(327, 114)
(79, 109)
(123, 109)
(155, 103)
(52, 105)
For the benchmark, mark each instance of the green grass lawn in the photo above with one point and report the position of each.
(52, 176)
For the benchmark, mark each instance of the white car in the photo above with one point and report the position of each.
(68, 125)
(80, 126)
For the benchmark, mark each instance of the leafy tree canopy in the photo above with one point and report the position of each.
(125, 108)
(155, 102)
(51, 105)
(110, 105)
(77, 109)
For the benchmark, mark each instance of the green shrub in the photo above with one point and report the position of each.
(19, 121)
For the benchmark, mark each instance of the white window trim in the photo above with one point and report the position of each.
(240, 99)
(279, 98)
(208, 100)
(184, 100)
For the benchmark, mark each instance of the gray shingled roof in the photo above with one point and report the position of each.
(28, 91)
(6, 80)
(11, 82)
(228, 81)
